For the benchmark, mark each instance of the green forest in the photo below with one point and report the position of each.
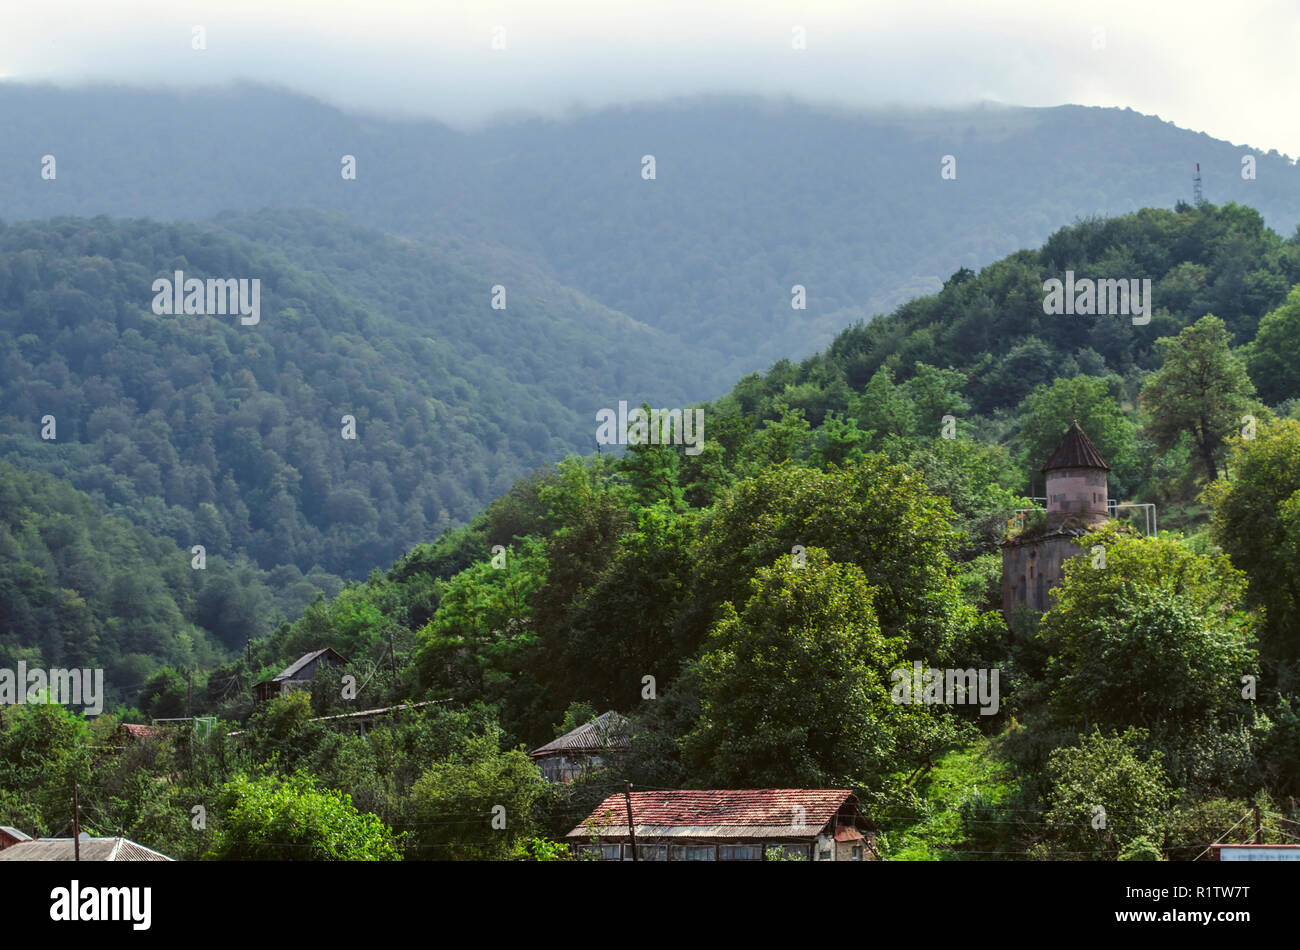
(751, 197)
(206, 431)
(744, 607)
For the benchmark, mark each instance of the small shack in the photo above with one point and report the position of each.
(299, 673)
(589, 746)
(11, 836)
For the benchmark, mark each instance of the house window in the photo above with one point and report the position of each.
(740, 852)
(651, 852)
(692, 852)
(857, 853)
(824, 854)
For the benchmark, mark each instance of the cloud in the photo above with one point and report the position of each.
(1232, 77)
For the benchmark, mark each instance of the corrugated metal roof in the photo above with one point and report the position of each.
(93, 849)
(1075, 451)
(762, 812)
(292, 669)
(15, 833)
(607, 732)
(378, 711)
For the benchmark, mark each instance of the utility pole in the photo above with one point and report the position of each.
(189, 696)
(392, 658)
(631, 830)
(1259, 825)
(76, 824)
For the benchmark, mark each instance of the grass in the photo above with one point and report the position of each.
(934, 831)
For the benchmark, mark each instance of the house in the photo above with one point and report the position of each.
(811, 824)
(92, 849)
(1077, 503)
(588, 747)
(11, 836)
(298, 674)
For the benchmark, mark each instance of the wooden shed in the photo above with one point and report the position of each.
(299, 673)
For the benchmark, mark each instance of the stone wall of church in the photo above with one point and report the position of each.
(1075, 493)
(1030, 570)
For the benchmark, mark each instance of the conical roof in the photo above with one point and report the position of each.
(1076, 451)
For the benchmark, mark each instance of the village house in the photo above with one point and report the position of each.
(11, 836)
(590, 746)
(728, 825)
(91, 849)
(299, 674)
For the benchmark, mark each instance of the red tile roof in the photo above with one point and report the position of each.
(136, 731)
(760, 807)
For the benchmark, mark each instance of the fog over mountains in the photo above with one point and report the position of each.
(750, 197)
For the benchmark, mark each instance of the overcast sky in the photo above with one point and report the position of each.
(1229, 69)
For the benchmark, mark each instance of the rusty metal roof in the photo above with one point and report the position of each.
(1076, 451)
(724, 813)
(92, 849)
(607, 732)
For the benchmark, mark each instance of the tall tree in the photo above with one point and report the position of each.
(794, 689)
(1094, 403)
(1201, 388)
(1257, 522)
(1273, 357)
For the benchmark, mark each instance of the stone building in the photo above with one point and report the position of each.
(1077, 503)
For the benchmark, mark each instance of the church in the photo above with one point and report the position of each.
(1077, 503)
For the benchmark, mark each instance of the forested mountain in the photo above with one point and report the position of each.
(211, 432)
(749, 198)
(584, 544)
(80, 588)
(747, 606)
(204, 431)
(992, 325)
